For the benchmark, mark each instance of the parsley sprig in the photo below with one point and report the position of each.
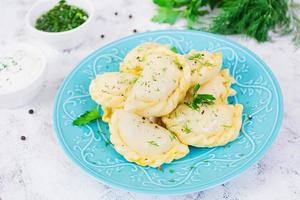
(87, 117)
(200, 99)
(170, 10)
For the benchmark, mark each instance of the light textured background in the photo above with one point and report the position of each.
(37, 169)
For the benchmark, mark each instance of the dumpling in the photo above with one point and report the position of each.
(163, 83)
(141, 141)
(135, 60)
(208, 126)
(111, 89)
(219, 87)
(204, 65)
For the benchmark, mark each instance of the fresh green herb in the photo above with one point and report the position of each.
(171, 171)
(174, 49)
(187, 129)
(153, 143)
(133, 81)
(166, 15)
(87, 117)
(254, 18)
(172, 136)
(207, 64)
(295, 22)
(196, 56)
(205, 161)
(227, 126)
(196, 88)
(62, 17)
(172, 180)
(178, 64)
(170, 10)
(200, 98)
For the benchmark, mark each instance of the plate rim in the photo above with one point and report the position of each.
(169, 191)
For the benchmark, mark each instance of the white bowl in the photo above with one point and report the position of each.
(22, 95)
(65, 39)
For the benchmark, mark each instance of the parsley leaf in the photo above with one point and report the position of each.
(174, 49)
(200, 98)
(166, 15)
(196, 88)
(87, 117)
(164, 3)
(188, 9)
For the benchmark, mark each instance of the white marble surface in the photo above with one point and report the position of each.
(37, 169)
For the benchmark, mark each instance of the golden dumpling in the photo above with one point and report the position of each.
(219, 87)
(135, 60)
(141, 141)
(163, 83)
(208, 126)
(111, 89)
(204, 65)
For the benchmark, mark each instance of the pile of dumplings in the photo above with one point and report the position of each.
(145, 104)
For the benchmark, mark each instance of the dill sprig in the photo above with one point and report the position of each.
(253, 18)
(295, 22)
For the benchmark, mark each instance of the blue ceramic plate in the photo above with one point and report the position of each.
(89, 146)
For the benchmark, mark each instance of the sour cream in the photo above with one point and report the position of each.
(21, 72)
(19, 68)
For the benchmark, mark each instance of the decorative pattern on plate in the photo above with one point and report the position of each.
(89, 146)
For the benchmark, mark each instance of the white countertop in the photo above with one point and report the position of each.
(38, 169)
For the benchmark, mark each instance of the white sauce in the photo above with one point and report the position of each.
(19, 68)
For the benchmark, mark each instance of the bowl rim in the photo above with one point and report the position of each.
(28, 17)
(36, 77)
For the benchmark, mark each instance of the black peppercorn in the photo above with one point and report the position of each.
(134, 30)
(23, 137)
(31, 111)
(249, 117)
(116, 13)
(130, 16)
(102, 36)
